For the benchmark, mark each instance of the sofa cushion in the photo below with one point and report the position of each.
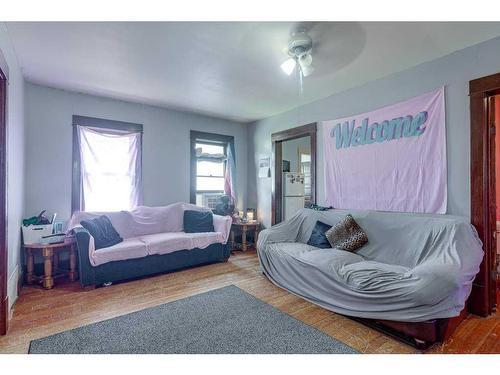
(347, 235)
(105, 235)
(127, 249)
(203, 240)
(164, 243)
(318, 237)
(198, 221)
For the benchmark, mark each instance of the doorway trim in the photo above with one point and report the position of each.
(4, 298)
(277, 154)
(482, 300)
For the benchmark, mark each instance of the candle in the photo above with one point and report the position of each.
(250, 215)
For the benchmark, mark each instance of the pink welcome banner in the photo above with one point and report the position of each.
(390, 159)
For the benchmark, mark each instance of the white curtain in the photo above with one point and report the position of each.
(230, 176)
(110, 162)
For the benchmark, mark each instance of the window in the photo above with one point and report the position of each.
(208, 167)
(107, 165)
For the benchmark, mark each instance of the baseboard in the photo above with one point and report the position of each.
(12, 287)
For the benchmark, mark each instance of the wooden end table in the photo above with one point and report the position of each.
(244, 227)
(50, 254)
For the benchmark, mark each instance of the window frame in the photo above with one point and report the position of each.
(205, 138)
(93, 122)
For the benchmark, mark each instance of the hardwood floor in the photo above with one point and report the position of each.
(39, 313)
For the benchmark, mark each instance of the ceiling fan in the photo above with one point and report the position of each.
(300, 52)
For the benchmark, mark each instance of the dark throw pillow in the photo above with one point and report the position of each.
(318, 236)
(198, 221)
(105, 235)
(347, 235)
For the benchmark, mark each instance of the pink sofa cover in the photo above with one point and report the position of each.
(152, 230)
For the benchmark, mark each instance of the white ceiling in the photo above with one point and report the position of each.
(226, 69)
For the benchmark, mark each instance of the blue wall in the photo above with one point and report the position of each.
(166, 157)
(453, 71)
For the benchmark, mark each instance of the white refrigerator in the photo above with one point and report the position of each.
(293, 193)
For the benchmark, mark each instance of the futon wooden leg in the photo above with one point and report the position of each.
(421, 345)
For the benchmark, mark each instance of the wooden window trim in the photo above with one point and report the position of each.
(208, 138)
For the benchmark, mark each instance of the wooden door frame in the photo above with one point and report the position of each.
(482, 300)
(4, 298)
(277, 154)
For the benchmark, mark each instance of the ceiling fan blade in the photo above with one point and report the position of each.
(306, 70)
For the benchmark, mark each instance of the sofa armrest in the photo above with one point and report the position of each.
(86, 271)
(286, 231)
(223, 224)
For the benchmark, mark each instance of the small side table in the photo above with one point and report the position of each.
(244, 227)
(50, 255)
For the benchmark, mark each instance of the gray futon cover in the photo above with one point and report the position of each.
(415, 267)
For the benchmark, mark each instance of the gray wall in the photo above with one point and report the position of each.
(15, 160)
(166, 157)
(453, 71)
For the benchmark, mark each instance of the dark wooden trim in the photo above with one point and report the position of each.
(204, 137)
(94, 122)
(418, 334)
(482, 300)
(293, 133)
(277, 183)
(276, 176)
(210, 137)
(76, 176)
(4, 299)
(484, 84)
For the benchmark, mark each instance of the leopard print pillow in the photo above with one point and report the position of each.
(346, 235)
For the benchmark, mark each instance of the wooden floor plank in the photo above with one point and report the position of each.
(39, 313)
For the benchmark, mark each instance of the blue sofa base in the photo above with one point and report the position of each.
(140, 267)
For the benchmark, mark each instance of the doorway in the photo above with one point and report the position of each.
(293, 171)
(4, 301)
(484, 98)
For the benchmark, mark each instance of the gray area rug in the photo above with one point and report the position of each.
(225, 320)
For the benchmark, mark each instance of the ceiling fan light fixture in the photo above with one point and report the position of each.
(288, 66)
(300, 52)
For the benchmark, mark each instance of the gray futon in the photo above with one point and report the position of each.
(415, 267)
